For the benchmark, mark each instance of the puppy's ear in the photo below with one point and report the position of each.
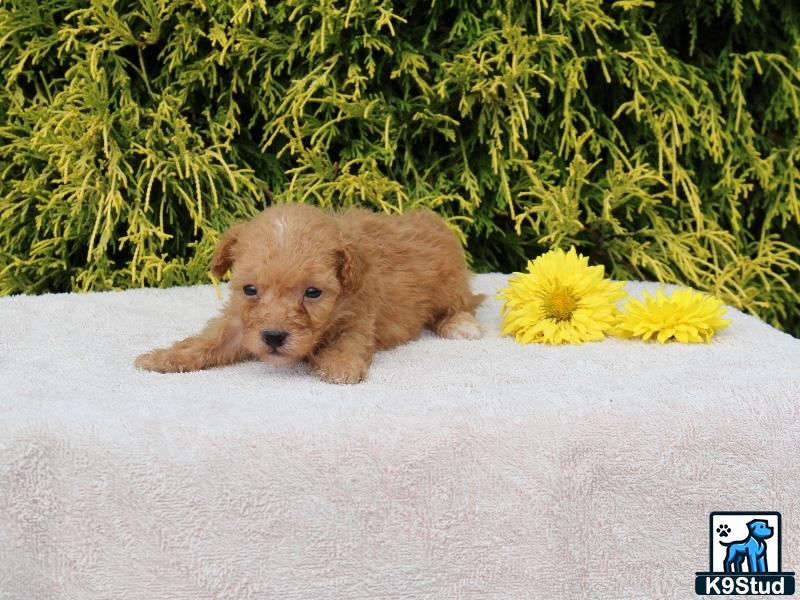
(223, 255)
(351, 267)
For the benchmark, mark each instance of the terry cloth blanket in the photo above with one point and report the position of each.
(459, 469)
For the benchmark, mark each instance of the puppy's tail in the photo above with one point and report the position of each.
(473, 301)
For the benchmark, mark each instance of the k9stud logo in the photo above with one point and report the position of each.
(744, 556)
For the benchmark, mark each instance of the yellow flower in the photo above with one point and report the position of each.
(686, 316)
(560, 299)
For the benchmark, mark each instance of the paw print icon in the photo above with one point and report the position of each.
(723, 530)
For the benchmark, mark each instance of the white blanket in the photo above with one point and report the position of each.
(457, 470)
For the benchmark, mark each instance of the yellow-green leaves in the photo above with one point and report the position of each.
(661, 139)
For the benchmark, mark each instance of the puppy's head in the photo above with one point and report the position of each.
(292, 272)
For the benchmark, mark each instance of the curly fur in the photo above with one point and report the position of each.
(383, 279)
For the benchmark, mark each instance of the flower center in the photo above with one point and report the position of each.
(560, 304)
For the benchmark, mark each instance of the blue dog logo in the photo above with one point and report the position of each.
(753, 549)
(745, 556)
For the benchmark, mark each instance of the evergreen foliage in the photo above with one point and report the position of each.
(662, 139)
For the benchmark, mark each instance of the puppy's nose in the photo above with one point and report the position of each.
(274, 339)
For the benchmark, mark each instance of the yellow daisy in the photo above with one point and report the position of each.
(686, 316)
(561, 299)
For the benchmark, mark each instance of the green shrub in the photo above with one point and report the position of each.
(661, 138)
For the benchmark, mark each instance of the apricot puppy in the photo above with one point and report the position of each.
(329, 288)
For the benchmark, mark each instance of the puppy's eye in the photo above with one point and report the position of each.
(313, 292)
(250, 290)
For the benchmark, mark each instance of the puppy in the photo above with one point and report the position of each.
(331, 289)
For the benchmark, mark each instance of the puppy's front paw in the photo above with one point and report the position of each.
(163, 360)
(342, 371)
